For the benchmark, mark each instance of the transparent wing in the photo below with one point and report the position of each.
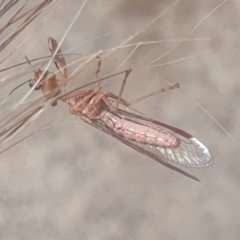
(190, 153)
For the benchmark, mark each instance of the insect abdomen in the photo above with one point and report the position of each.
(138, 132)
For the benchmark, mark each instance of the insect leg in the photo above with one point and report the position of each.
(59, 61)
(98, 71)
(154, 93)
(113, 96)
(122, 87)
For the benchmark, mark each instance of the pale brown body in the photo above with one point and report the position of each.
(138, 132)
(94, 104)
(97, 106)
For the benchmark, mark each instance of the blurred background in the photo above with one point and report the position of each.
(71, 181)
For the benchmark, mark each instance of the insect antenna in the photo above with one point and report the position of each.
(30, 81)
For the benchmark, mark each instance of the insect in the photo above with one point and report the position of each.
(105, 111)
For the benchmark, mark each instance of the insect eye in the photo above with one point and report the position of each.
(32, 83)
